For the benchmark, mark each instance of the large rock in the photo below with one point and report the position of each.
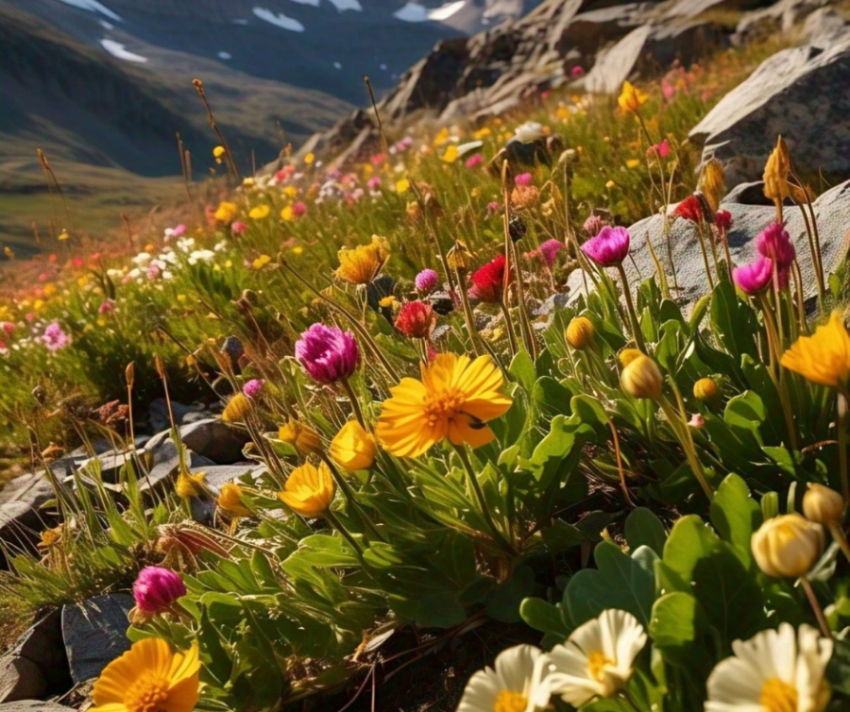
(42, 645)
(21, 516)
(20, 679)
(95, 633)
(215, 440)
(782, 16)
(158, 417)
(833, 215)
(163, 459)
(799, 93)
(33, 706)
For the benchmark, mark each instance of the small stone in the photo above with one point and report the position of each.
(95, 633)
(214, 440)
(20, 679)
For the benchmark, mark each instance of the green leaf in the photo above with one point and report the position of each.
(504, 600)
(522, 369)
(735, 515)
(545, 617)
(643, 528)
(677, 628)
(439, 610)
(620, 581)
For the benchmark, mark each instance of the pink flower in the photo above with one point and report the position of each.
(238, 227)
(327, 353)
(298, 209)
(415, 319)
(8, 327)
(755, 276)
(493, 208)
(662, 150)
(30, 317)
(157, 589)
(548, 251)
(577, 71)
(107, 307)
(374, 183)
(253, 387)
(378, 159)
(154, 270)
(593, 225)
(426, 281)
(697, 421)
(77, 262)
(179, 230)
(474, 160)
(544, 94)
(668, 90)
(54, 338)
(523, 180)
(775, 243)
(609, 247)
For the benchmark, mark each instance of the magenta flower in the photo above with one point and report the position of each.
(609, 247)
(253, 387)
(426, 281)
(593, 225)
(180, 230)
(662, 150)
(107, 307)
(523, 180)
(493, 207)
(54, 338)
(577, 71)
(668, 90)
(238, 227)
(755, 276)
(548, 251)
(374, 183)
(775, 243)
(298, 209)
(8, 327)
(156, 589)
(723, 220)
(327, 353)
(474, 160)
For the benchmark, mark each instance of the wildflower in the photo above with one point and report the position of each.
(577, 71)
(415, 319)
(301, 436)
(481, 133)
(697, 421)
(230, 500)
(631, 98)
(259, 212)
(308, 490)
(517, 683)
(609, 247)
(753, 277)
(774, 671)
(310, 159)
(253, 388)
(54, 337)
(453, 400)
(458, 257)
(525, 197)
(360, 265)
(632, 163)
(593, 225)
(286, 213)
(706, 389)
(237, 409)
(776, 172)
(548, 251)
(642, 378)
(529, 132)
(218, 153)
(689, 209)
(226, 212)
(610, 184)
(387, 302)
(8, 328)
(426, 281)
(787, 546)
(494, 207)
(596, 660)
(50, 537)
(149, 676)
(353, 447)
(327, 353)
(190, 485)
(63, 236)
(489, 281)
(156, 589)
(823, 505)
(662, 150)
(712, 183)
(580, 333)
(823, 358)
(523, 180)
(474, 160)
(723, 220)
(402, 186)
(299, 208)
(451, 153)
(373, 184)
(775, 242)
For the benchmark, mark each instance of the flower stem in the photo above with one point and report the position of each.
(509, 327)
(630, 305)
(355, 404)
(840, 538)
(818, 611)
(336, 524)
(352, 498)
(842, 444)
(687, 443)
(701, 239)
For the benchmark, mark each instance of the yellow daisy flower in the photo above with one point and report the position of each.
(823, 358)
(309, 490)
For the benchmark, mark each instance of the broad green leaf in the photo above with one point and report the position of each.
(643, 528)
(735, 515)
(678, 624)
(545, 617)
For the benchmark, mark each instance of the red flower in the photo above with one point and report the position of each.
(723, 220)
(690, 209)
(415, 320)
(487, 282)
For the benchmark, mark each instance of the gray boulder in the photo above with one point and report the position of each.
(799, 93)
(37, 666)
(215, 440)
(33, 706)
(158, 414)
(20, 679)
(95, 633)
(163, 460)
(825, 27)
(21, 516)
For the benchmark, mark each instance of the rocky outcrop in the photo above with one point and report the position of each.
(95, 633)
(21, 516)
(798, 93)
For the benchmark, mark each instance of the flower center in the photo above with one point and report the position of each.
(596, 664)
(148, 694)
(443, 405)
(778, 696)
(509, 701)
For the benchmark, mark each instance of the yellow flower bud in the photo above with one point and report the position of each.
(580, 333)
(230, 500)
(459, 257)
(237, 409)
(629, 355)
(712, 183)
(776, 172)
(823, 505)
(309, 490)
(302, 437)
(642, 378)
(189, 485)
(787, 546)
(707, 390)
(353, 447)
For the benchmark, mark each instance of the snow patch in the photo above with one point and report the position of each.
(93, 6)
(279, 19)
(106, 25)
(383, 67)
(337, 65)
(342, 5)
(116, 49)
(412, 12)
(225, 55)
(314, 3)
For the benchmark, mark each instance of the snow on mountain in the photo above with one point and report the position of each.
(93, 6)
(116, 49)
(279, 19)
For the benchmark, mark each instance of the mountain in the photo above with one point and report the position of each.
(102, 87)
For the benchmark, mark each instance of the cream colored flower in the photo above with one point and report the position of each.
(516, 684)
(774, 671)
(529, 131)
(597, 659)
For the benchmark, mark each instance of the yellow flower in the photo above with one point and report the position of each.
(297, 250)
(787, 546)
(441, 137)
(188, 485)
(291, 191)
(402, 186)
(632, 163)
(218, 153)
(454, 400)
(149, 677)
(226, 212)
(610, 184)
(562, 112)
(706, 389)
(310, 159)
(580, 333)
(823, 505)
(353, 447)
(481, 133)
(823, 358)
(230, 500)
(642, 378)
(712, 183)
(451, 154)
(459, 257)
(359, 265)
(387, 301)
(286, 214)
(63, 236)
(259, 212)
(9, 252)
(261, 261)
(631, 98)
(237, 409)
(50, 537)
(776, 172)
(309, 490)
(248, 182)
(302, 437)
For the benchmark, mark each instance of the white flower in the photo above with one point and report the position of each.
(517, 684)
(529, 131)
(141, 259)
(597, 658)
(774, 671)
